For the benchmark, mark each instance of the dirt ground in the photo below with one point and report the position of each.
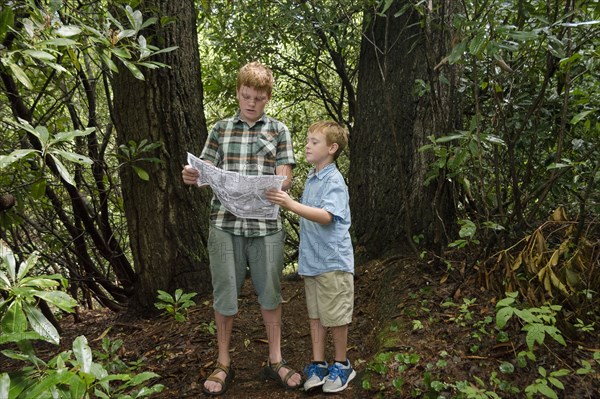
(399, 309)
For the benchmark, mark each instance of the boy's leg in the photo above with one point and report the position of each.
(227, 267)
(265, 257)
(340, 342)
(224, 327)
(317, 370)
(272, 320)
(318, 335)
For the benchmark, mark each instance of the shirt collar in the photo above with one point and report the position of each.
(237, 119)
(323, 172)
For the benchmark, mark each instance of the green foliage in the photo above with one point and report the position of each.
(51, 147)
(71, 374)
(20, 292)
(58, 150)
(544, 385)
(134, 153)
(175, 305)
(74, 375)
(529, 140)
(537, 322)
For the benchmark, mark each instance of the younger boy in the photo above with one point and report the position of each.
(326, 259)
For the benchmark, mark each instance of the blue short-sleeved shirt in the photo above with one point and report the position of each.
(325, 248)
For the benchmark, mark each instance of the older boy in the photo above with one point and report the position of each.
(250, 143)
(326, 259)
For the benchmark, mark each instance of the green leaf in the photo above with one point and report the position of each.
(83, 353)
(121, 53)
(14, 156)
(62, 170)
(503, 315)
(40, 55)
(40, 324)
(26, 266)
(556, 382)
(43, 388)
(73, 157)
(41, 132)
(18, 337)
(523, 35)
(4, 385)
(477, 44)
(165, 50)
(143, 377)
(69, 136)
(126, 33)
(77, 387)
(547, 391)
(577, 118)
(134, 70)
(7, 19)
(14, 319)
(7, 256)
(142, 174)
(20, 75)
(535, 333)
(38, 282)
(68, 30)
(4, 285)
(147, 391)
(458, 51)
(59, 299)
(59, 42)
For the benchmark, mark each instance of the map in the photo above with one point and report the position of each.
(242, 195)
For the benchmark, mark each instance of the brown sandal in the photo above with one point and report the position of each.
(272, 371)
(229, 374)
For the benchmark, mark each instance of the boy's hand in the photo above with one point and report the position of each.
(279, 197)
(190, 175)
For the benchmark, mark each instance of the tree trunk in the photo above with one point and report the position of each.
(389, 201)
(167, 221)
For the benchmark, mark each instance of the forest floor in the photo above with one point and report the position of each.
(404, 342)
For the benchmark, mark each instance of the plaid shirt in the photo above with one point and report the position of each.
(234, 146)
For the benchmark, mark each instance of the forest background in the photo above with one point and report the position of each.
(474, 152)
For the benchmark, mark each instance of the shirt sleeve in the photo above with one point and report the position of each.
(211, 147)
(285, 149)
(335, 198)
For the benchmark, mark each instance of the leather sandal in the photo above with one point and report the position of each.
(229, 374)
(272, 371)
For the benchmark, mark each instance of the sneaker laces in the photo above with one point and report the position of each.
(312, 369)
(335, 371)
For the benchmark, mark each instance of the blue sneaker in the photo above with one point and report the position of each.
(316, 374)
(339, 377)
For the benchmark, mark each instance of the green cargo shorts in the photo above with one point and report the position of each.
(230, 258)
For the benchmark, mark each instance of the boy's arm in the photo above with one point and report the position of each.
(282, 199)
(285, 170)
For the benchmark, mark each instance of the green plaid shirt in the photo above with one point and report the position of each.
(234, 146)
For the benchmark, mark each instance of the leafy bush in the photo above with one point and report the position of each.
(175, 305)
(71, 374)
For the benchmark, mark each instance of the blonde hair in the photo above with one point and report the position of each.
(333, 132)
(256, 75)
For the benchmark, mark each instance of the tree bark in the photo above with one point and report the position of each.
(389, 201)
(167, 221)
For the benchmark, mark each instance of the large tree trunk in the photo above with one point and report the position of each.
(167, 221)
(389, 201)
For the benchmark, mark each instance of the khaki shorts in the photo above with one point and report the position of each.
(330, 298)
(231, 256)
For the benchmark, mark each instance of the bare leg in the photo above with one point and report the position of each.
(318, 336)
(340, 341)
(224, 328)
(272, 320)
